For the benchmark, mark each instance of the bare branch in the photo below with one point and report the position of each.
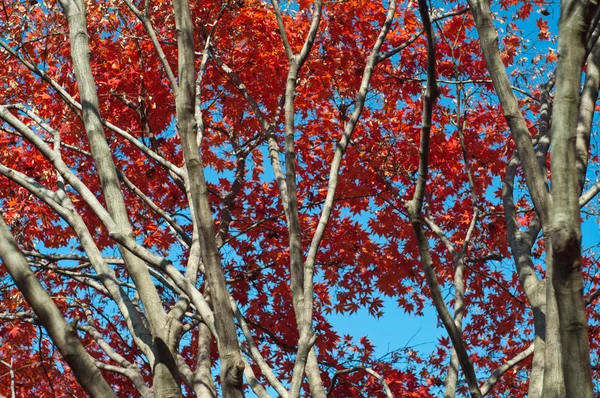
(63, 336)
(498, 372)
(370, 371)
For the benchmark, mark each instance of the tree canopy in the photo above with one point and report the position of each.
(188, 191)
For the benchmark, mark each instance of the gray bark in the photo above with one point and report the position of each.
(459, 260)
(62, 205)
(204, 386)
(567, 279)
(498, 372)
(298, 281)
(414, 208)
(521, 243)
(232, 365)
(559, 217)
(488, 37)
(554, 381)
(538, 366)
(63, 335)
(300, 277)
(587, 104)
(452, 376)
(163, 329)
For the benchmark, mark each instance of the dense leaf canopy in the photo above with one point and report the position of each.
(352, 96)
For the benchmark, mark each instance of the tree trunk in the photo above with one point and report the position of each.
(452, 376)
(536, 379)
(554, 384)
(204, 387)
(166, 381)
(63, 335)
(232, 365)
(565, 234)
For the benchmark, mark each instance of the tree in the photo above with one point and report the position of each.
(189, 189)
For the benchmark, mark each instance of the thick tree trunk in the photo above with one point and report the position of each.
(567, 279)
(559, 217)
(63, 335)
(488, 37)
(232, 365)
(166, 380)
(554, 383)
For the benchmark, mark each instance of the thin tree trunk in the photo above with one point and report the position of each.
(459, 296)
(414, 208)
(452, 376)
(204, 387)
(536, 379)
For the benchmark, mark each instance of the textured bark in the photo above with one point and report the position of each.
(203, 383)
(232, 364)
(445, 316)
(452, 376)
(488, 37)
(560, 216)
(587, 104)
(414, 208)
(126, 368)
(459, 289)
(298, 278)
(554, 382)
(567, 279)
(535, 290)
(165, 373)
(255, 353)
(61, 204)
(536, 380)
(312, 367)
(63, 335)
(498, 372)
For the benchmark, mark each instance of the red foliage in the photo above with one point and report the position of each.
(368, 254)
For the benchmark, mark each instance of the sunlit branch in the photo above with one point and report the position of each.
(108, 222)
(534, 177)
(520, 245)
(420, 33)
(589, 195)
(125, 367)
(11, 371)
(255, 354)
(146, 21)
(150, 203)
(62, 208)
(498, 372)
(74, 257)
(587, 107)
(370, 371)
(137, 143)
(286, 44)
(257, 388)
(50, 317)
(25, 316)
